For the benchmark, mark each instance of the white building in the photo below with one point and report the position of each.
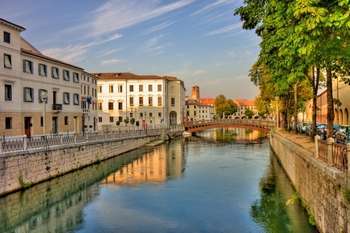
(89, 102)
(126, 99)
(38, 94)
(196, 111)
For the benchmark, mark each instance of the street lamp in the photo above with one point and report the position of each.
(44, 98)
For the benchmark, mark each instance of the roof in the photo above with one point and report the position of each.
(207, 101)
(13, 25)
(39, 55)
(244, 102)
(131, 76)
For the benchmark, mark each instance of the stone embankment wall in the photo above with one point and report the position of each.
(320, 187)
(23, 169)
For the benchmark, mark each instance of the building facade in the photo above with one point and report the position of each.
(126, 99)
(39, 94)
(196, 111)
(341, 92)
(89, 102)
(242, 106)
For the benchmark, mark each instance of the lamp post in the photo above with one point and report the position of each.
(44, 98)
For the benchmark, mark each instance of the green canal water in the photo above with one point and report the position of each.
(222, 180)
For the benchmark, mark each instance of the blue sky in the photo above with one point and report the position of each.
(199, 41)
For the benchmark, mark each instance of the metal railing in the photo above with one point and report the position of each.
(23, 143)
(245, 122)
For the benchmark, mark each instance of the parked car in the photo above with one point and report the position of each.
(321, 130)
(342, 135)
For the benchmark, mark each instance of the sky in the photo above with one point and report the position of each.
(199, 41)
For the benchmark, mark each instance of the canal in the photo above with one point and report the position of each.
(221, 180)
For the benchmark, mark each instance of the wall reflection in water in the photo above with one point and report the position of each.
(57, 205)
(279, 209)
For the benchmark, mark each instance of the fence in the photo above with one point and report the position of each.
(334, 154)
(23, 143)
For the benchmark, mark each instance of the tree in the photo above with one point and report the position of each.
(248, 113)
(224, 106)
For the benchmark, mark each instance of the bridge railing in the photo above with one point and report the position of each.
(248, 122)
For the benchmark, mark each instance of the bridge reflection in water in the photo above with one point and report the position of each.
(57, 205)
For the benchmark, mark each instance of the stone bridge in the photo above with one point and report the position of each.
(262, 125)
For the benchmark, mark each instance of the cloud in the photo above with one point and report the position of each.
(76, 53)
(155, 46)
(225, 29)
(211, 6)
(110, 52)
(115, 15)
(112, 62)
(159, 27)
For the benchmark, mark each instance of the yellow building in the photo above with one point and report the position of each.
(39, 94)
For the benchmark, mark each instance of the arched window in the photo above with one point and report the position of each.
(336, 116)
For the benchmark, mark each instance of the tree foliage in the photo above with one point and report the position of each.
(297, 36)
(224, 107)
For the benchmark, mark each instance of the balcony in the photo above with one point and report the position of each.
(57, 107)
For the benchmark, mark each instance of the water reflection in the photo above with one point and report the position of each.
(147, 191)
(157, 166)
(232, 135)
(279, 209)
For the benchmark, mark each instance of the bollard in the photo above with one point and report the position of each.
(317, 139)
(330, 142)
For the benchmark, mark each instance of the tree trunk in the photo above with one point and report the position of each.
(315, 84)
(295, 107)
(330, 104)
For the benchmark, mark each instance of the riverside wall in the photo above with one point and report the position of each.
(20, 170)
(321, 188)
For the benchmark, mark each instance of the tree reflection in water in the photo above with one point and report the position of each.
(279, 210)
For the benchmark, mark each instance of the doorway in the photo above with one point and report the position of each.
(54, 125)
(28, 126)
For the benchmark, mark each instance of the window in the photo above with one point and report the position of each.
(7, 61)
(150, 114)
(141, 114)
(120, 119)
(131, 101)
(66, 120)
(41, 121)
(7, 37)
(66, 75)
(150, 88)
(140, 88)
(150, 101)
(8, 122)
(28, 94)
(110, 105)
(131, 88)
(120, 88)
(111, 89)
(172, 102)
(120, 106)
(66, 98)
(160, 101)
(8, 92)
(100, 119)
(131, 115)
(159, 87)
(42, 96)
(76, 99)
(42, 70)
(159, 114)
(75, 77)
(99, 89)
(27, 66)
(55, 73)
(99, 106)
(111, 119)
(140, 101)
(84, 89)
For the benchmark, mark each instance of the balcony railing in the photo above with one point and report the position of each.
(57, 107)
